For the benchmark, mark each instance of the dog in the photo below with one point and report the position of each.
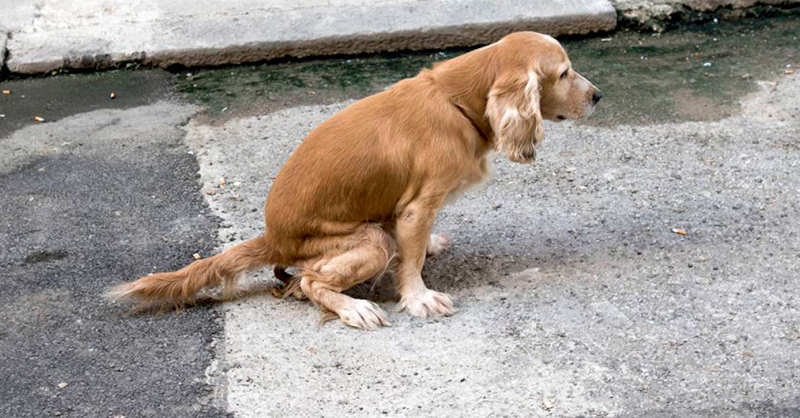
(359, 195)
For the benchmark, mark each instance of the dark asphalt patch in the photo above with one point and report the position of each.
(78, 93)
(71, 225)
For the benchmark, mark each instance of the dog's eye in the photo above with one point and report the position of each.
(565, 73)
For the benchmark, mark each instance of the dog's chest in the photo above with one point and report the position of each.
(472, 179)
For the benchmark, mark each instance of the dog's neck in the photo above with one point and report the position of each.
(467, 80)
(479, 122)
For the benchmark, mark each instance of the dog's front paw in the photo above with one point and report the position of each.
(427, 303)
(524, 154)
(437, 244)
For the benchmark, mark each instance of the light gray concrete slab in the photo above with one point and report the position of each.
(98, 34)
(575, 297)
(18, 14)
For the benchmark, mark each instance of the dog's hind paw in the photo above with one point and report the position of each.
(437, 244)
(363, 314)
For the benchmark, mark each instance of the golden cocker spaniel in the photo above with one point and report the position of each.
(360, 193)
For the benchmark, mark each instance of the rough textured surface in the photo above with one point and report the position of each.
(3, 39)
(649, 13)
(90, 201)
(96, 34)
(575, 296)
(703, 5)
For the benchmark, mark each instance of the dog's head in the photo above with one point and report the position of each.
(534, 80)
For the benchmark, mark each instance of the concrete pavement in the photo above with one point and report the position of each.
(575, 297)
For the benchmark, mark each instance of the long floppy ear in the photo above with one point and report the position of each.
(513, 112)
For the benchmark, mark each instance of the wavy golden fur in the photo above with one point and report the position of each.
(364, 187)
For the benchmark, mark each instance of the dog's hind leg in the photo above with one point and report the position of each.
(366, 254)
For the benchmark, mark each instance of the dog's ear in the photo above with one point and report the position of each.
(513, 112)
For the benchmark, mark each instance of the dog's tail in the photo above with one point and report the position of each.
(180, 287)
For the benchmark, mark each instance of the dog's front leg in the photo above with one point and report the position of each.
(412, 235)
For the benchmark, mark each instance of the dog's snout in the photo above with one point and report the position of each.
(597, 96)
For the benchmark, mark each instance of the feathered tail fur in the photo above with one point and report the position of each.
(180, 287)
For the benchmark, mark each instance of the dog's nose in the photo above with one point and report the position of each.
(597, 96)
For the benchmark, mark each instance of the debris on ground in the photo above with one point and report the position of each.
(38, 119)
(113, 95)
(547, 404)
(62, 385)
(679, 231)
(197, 256)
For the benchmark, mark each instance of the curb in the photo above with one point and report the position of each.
(230, 36)
(73, 36)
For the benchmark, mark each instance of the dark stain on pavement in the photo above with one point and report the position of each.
(696, 73)
(42, 256)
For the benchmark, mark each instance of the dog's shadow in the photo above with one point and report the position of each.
(474, 262)
(554, 250)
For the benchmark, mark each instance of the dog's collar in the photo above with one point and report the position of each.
(479, 124)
